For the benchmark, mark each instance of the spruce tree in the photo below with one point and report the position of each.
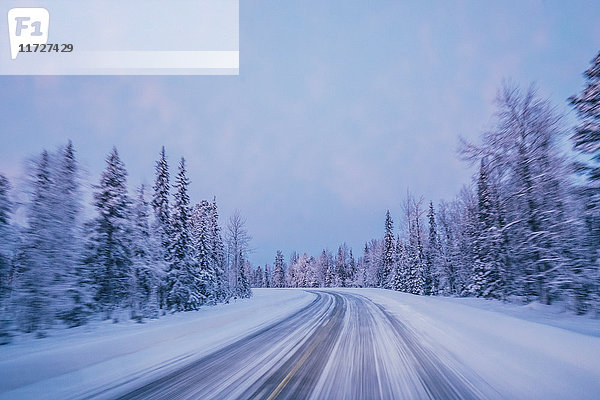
(34, 300)
(7, 247)
(364, 270)
(183, 278)
(432, 254)
(387, 259)
(586, 137)
(217, 252)
(586, 140)
(341, 266)
(278, 271)
(70, 280)
(147, 275)
(352, 272)
(160, 202)
(267, 278)
(7, 238)
(110, 242)
(258, 277)
(400, 268)
(488, 271)
(161, 229)
(327, 267)
(479, 283)
(242, 287)
(201, 235)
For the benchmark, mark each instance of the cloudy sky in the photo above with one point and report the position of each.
(340, 106)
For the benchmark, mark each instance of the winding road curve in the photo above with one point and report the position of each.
(341, 346)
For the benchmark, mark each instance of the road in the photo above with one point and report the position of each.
(341, 346)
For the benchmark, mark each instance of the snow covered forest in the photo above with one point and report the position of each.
(136, 258)
(526, 229)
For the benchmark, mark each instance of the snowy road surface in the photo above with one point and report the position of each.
(341, 346)
(317, 344)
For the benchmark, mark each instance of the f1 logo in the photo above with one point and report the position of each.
(27, 26)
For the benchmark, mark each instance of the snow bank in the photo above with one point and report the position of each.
(85, 360)
(519, 350)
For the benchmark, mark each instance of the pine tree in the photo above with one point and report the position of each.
(110, 242)
(467, 231)
(183, 278)
(161, 229)
(586, 140)
(400, 268)
(341, 266)
(160, 202)
(7, 236)
(431, 256)
(487, 271)
(217, 251)
(34, 300)
(352, 270)
(374, 271)
(278, 271)
(327, 267)
(70, 280)
(364, 267)
(242, 287)
(267, 278)
(388, 252)
(146, 277)
(7, 248)
(201, 241)
(290, 276)
(257, 277)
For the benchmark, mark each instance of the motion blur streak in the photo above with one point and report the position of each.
(341, 346)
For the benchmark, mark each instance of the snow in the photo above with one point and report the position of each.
(83, 361)
(523, 352)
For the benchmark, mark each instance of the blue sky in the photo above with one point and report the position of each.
(340, 106)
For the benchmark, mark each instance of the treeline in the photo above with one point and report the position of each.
(137, 256)
(528, 228)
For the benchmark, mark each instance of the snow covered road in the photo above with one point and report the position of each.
(317, 344)
(341, 346)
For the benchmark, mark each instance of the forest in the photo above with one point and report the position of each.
(527, 228)
(137, 258)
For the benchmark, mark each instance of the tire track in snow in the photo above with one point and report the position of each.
(341, 346)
